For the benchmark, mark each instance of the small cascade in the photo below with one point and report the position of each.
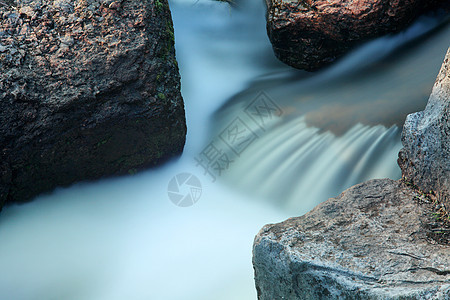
(297, 166)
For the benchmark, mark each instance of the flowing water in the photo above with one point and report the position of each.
(286, 140)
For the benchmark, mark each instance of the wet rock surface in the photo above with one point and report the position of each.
(310, 34)
(87, 89)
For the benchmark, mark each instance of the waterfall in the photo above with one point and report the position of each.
(297, 167)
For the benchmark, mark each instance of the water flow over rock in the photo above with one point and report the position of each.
(310, 34)
(372, 241)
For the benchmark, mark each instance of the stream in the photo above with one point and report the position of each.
(265, 142)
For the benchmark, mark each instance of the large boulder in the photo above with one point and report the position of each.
(366, 244)
(309, 34)
(88, 88)
(382, 239)
(425, 158)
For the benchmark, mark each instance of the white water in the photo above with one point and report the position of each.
(296, 166)
(123, 239)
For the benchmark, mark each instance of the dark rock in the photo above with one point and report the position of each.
(368, 243)
(425, 158)
(310, 34)
(87, 89)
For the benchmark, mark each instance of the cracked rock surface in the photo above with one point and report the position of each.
(88, 88)
(368, 243)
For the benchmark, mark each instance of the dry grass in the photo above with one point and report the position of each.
(438, 217)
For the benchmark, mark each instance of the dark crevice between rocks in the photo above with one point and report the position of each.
(430, 269)
(419, 283)
(406, 254)
(301, 268)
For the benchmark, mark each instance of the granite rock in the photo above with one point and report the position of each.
(368, 243)
(425, 157)
(88, 88)
(310, 34)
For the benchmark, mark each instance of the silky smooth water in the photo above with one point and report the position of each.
(122, 238)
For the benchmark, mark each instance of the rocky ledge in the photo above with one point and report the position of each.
(310, 34)
(88, 88)
(377, 240)
(425, 157)
(366, 244)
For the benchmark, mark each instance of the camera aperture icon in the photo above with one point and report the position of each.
(184, 189)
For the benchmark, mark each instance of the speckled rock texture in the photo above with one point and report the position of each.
(425, 158)
(381, 239)
(366, 244)
(310, 34)
(88, 88)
